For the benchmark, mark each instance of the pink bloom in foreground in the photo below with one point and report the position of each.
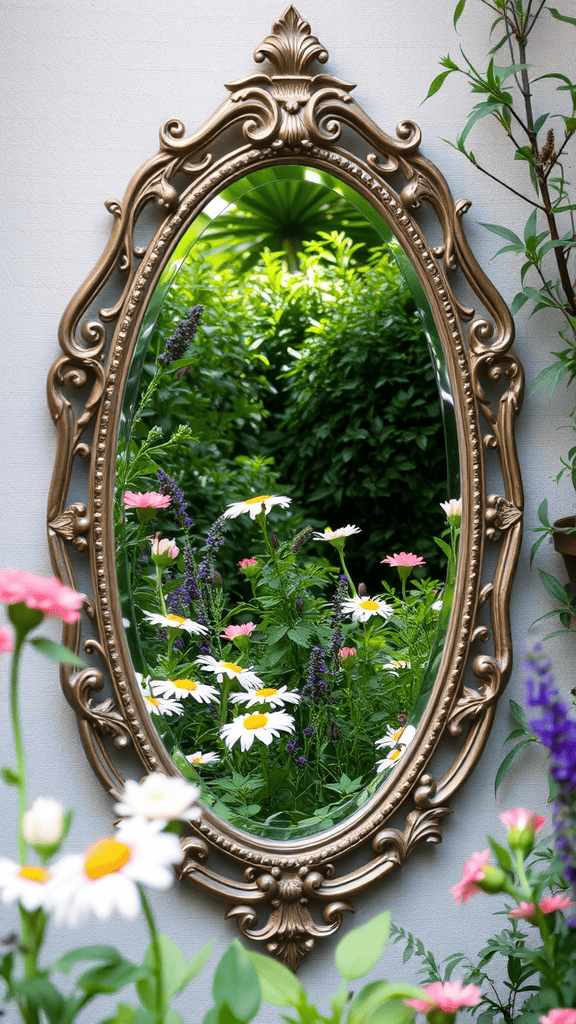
(447, 997)
(473, 872)
(559, 1017)
(247, 561)
(231, 631)
(519, 818)
(6, 641)
(548, 905)
(47, 595)
(147, 499)
(405, 559)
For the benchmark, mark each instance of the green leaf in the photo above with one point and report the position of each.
(549, 378)
(498, 229)
(124, 1015)
(56, 652)
(459, 10)
(278, 985)
(510, 756)
(360, 950)
(443, 547)
(110, 977)
(176, 972)
(502, 855)
(561, 17)
(438, 82)
(374, 996)
(518, 301)
(10, 776)
(517, 711)
(554, 587)
(107, 954)
(42, 994)
(236, 983)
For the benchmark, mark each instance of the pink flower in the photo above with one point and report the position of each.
(474, 871)
(548, 905)
(231, 631)
(246, 562)
(6, 641)
(559, 1017)
(404, 559)
(47, 595)
(521, 819)
(347, 652)
(447, 997)
(163, 546)
(147, 499)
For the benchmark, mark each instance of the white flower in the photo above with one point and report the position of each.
(452, 507)
(266, 727)
(42, 824)
(162, 706)
(174, 622)
(210, 757)
(402, 736)
(266, 695)
(388, 762)
(393, 666)
(181, 688)
(437, 606)
(343, 531)
(363, 608)
(30, 885)
(245, 676)
(254, 505)
(164, 547)
(105, 877)
(160, 796)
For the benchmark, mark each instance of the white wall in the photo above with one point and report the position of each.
(86, 87)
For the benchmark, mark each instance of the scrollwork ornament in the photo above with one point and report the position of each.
(293, 892)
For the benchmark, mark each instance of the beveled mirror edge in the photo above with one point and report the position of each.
(292, 116)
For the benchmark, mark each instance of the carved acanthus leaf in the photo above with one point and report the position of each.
(72, 524)
(501, 514)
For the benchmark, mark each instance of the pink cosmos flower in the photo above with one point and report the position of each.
(347, 652)
(147, 499)
(47, 595)
(521, 819)
(404, 559)
(231, 631)
(559, 1017)
(548, 905)
(247, 561)
(447, 997)
(6, 641)
(473, 872)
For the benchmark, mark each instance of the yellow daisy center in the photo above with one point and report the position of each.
(185, 684)
(395, 754)
(258, 500)
(196, 760)
(34, 874)
(397, 734)
(106, 857)
(176, 618)
(255, 721)
(152, 700)
(369, 606)
(232, 666)
(266, 692)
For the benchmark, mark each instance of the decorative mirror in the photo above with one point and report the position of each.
(285, 412)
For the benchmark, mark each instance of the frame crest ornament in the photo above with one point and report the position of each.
(291, 116)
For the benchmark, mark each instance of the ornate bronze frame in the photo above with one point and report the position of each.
(291, 116)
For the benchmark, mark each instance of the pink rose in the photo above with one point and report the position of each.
(46, 595)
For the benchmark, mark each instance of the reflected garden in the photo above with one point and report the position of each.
(285, 567)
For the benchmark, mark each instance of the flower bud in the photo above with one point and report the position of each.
(522, 826)
(363, 590)
(494, 879)
(164, 551)
(42, 824)
(274, 542)
(249, 567)
(217, 579)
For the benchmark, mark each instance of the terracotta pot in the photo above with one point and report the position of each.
(565, 543)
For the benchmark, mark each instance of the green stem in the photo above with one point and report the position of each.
(161, 1007)
(18, 745)
(345, 570)
(265, 772)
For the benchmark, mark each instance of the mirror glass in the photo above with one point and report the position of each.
(284, 564)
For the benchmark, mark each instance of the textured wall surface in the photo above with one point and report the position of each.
(86, 87)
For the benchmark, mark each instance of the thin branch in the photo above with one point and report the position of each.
(509, 187)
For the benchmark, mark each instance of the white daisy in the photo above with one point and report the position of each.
(254, 505)
(363, 608)
(330, 535)
(28, 884)
(160, 796)
(210, 757)
(174, 622)
(43, 822)
(437, 606)
(393, 666)
(162, 706)
(452, 507)
(245, 676)
(105, 877)
(403, 735)
(180, 688)
(393, 757)
(265, 727)
(267, 695)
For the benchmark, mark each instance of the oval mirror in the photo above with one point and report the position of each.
(286, 516)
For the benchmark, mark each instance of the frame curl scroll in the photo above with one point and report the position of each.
(287, 114)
